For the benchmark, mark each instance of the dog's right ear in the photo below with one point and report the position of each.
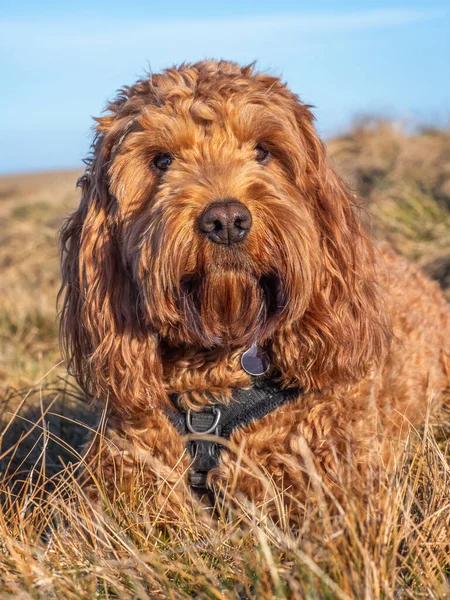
(345, 331)
(109, 348)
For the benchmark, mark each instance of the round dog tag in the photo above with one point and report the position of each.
(255, 361)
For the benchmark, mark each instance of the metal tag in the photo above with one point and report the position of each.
(255, 361)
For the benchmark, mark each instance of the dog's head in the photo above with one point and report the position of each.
(210, 217)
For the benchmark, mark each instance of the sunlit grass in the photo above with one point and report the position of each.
(55, 543)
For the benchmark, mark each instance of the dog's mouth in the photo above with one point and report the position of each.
(274, 295)
(231, 307)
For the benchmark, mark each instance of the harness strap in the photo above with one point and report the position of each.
(246, 405)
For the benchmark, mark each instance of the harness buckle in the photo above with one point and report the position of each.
(215, 411)
(205, 453)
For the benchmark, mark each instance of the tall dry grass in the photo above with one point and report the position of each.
(53, 544)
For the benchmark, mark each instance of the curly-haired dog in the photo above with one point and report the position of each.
(214, 242)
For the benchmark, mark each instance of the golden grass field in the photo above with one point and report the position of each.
(53, 546)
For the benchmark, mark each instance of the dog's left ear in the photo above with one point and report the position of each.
(344, 331)
(111, 351)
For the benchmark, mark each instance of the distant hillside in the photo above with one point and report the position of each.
(404, 181)
(32, 208)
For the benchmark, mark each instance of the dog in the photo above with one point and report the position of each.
(218, 281)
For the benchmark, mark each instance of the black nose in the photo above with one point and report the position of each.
(225, 222)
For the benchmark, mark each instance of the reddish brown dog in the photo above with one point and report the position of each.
(211, 220)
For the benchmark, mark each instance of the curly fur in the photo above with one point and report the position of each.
(151, 307)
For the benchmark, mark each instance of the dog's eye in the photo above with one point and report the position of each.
(262, 155)
(162, 161)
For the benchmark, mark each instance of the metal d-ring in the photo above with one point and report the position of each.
(216, 412)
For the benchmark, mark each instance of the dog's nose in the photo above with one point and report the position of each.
(225, 221)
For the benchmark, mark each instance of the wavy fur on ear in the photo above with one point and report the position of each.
(344, 331)
(111, 351)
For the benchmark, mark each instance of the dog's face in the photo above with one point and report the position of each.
(218, 235)
(211, 219)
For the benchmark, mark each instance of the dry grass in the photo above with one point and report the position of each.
(32, 208)
(53, 546)
(405, 183)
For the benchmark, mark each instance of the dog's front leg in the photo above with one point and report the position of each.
(303, 452)
(139, 461)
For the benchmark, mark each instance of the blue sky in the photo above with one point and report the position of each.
(61, 61)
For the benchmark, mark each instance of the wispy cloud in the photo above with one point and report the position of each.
(67, 32)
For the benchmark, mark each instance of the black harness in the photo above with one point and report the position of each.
(246, 405)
